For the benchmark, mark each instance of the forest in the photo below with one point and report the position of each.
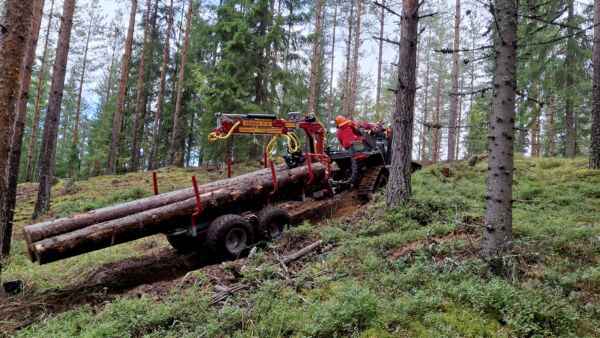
(498, 100)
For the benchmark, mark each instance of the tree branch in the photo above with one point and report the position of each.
(387, 9)
(386, 40)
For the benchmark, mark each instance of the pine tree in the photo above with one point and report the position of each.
(595, 130)
(186, 43)
(454, 96)
(399, 186)
(17, 139)
(152, 162)
(135, 151)
(117, 120)
(38, 96)
(49, 137)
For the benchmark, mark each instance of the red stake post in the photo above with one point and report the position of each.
(265, 159)
(155, 182)
(311, 176)
(229, 167)
(199, 202)
(275, 185)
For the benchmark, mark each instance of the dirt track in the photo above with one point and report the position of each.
(157, 273)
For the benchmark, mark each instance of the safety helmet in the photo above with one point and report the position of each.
(339, 120)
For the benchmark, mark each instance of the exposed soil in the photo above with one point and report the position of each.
(158, 273)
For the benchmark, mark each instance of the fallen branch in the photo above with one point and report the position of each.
(302, 252)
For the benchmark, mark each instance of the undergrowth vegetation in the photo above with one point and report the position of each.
(410, 271)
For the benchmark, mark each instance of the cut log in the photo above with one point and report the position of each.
(40, 231)
(249, 194)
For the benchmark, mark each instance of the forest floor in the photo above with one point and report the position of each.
(407, 271)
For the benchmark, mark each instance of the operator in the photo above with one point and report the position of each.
(348, 131)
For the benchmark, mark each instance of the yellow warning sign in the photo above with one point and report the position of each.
(257, 123)
(261, 130)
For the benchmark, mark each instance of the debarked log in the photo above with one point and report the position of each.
(245, 195)
(40, 231)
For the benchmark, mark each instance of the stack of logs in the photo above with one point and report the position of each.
(66, 237)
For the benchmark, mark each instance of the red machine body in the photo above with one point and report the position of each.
(259, 124)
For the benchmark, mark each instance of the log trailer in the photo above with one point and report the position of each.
(229, 215)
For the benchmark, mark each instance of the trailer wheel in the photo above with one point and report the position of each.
(229, 235)
(272, 222)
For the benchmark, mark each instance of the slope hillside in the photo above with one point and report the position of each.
(378, 272)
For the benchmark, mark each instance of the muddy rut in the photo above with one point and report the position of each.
(156, 273)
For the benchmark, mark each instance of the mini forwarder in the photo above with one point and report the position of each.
(228, 216)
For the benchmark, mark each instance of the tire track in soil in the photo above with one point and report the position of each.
(155, 274)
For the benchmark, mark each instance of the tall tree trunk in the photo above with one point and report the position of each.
(186, 44)
(498, 200)
(426, 103)
(355, 61)
(74, 145)
(551, 129)
(139, 106)
(19, 31)
(595, 131)
(112, 153)
(436, 130)
(399, 186)
(380, 59)
(330, 103)
(50, 133)
(285, 68)
(454, 96)
(38, 95)
(314, 69)
(569, 114)
(472, 88)
(346, 97)
(535, 123)
(458, 120)
(161, 89)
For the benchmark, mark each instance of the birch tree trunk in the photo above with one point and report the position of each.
(186, 45)
(49, 136)
(112, 153)
(454, 97)
(38, 95)
(498, 200)
(399, 186)
(10, 200)
(161, 89)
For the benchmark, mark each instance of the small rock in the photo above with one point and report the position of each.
(220, 288)
(12, 287)
(70, 182)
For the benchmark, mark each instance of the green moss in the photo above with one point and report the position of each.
(438, 288)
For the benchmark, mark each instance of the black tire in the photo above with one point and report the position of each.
(229, 235)
(272, 222)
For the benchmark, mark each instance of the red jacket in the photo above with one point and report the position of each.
(346, 134)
